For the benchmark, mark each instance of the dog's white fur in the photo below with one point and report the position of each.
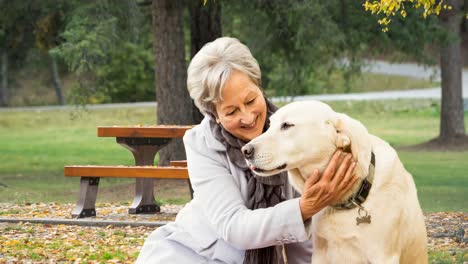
(311, 133)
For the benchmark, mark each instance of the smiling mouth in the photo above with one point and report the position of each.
(253, 125)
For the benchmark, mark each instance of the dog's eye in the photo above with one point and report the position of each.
(286, 125)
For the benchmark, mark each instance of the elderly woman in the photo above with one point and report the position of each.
(235, 216)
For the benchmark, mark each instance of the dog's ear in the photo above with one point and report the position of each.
(353, 136)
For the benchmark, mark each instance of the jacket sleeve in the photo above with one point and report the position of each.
(219, 196)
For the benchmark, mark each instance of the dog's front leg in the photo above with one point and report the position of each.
(319, 254)
(394, 259)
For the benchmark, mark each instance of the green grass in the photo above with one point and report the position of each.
(36, 145)
(375, 82)
(438, 257)
(441, 177)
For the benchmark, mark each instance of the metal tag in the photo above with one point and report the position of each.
(365, 219)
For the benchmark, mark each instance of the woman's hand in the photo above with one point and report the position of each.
(336, 180)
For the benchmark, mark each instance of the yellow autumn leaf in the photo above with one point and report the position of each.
(389, 8)
(38, 250)
(11, 243)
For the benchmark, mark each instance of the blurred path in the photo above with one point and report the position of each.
(404, 69)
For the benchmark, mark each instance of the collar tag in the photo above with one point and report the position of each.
(366, 219)
(362, 219)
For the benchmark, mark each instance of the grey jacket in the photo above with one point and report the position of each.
(216, 226)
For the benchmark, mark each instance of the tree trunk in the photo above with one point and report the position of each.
(465, 21)
(174, 103)
(205, 22)
(452, 123)
(4, 74)
(56, 80)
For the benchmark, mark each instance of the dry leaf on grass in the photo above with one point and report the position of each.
(39, 243)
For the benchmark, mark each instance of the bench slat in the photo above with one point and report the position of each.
(178, 163)
(127, 172)
(143, 132)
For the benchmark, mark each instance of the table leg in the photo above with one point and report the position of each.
(144, 202)
(144, 150)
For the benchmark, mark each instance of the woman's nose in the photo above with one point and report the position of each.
(247, 118)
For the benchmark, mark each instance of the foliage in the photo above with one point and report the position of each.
(302, 45)
(104, 47)
(16, 29)
(292, 40)
(128, 77)
(390, 8)
(50, 24)
(88, 39)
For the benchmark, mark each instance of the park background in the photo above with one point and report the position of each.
(70, 66)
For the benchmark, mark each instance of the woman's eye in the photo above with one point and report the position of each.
(230, 113)
(286, 125)
(251, 101)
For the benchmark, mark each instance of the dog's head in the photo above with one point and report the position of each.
(304, 135)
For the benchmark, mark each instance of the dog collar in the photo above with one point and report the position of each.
(361, 195)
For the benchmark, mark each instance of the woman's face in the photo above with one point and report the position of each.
(243, 109)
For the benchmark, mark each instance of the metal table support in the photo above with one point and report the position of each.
(144, 151)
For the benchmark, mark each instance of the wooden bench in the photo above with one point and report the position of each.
(143, 142)
(91, 174)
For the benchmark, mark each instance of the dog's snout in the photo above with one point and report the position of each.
(248, 151)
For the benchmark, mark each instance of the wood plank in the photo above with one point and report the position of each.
(178, 163)
(127, 172)
(160, 131)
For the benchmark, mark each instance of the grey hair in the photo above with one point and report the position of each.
(212, 66)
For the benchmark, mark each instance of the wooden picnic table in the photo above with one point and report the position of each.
(144, 142)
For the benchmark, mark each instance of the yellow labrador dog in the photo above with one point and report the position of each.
(380, 219)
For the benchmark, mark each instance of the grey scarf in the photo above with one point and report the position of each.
(263, 192)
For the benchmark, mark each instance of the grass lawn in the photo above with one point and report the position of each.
(375, 82)
(441, 177)
(36, 145)
(367, 82)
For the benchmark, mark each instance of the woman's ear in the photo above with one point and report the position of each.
(214, 115)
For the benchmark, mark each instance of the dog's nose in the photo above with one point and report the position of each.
(248, 151)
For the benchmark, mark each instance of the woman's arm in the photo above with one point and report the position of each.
(221, 199)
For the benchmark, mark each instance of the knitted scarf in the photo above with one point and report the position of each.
(263, 192)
